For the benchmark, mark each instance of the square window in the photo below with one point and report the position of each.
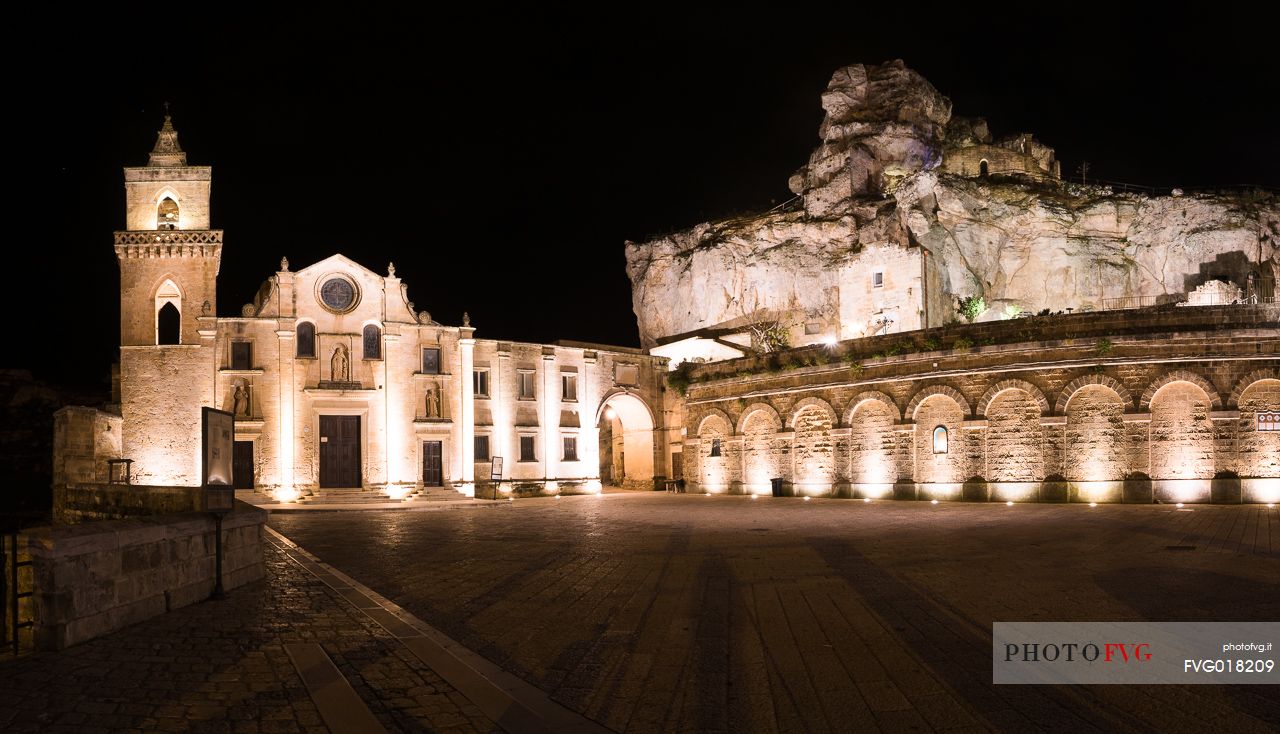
(525, 381)
(568, 386)
(570, 448)
(482, 448)
(877, 280)
(480, 383)
(526, 449)
(241, 355)
(430, 361)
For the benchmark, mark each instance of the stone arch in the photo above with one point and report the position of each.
(754, 408)
(983, 167)
(1095, 433)
(715, 466)
(1215, 401)
(928, 392)
(872, 439)
(717, 419)
(863, 397)
(1014, 435)
(807, 403)
(813, 450)
(1064, 397)
(168, 311)
(932, 407)
(1258, 452)
(626, 423)
(985, 401)
(1247, 381)
(761, 446)
(1181, 429)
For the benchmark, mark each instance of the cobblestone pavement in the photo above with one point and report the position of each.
(665, 612)
(222, 667)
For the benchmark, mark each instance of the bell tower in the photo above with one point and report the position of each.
(169, 260)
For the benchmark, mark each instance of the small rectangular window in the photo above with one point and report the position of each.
(715, 447)
(482, 448)
(430, 361)
(570, 448)
(626, 374)
(526, 381)
(241, 355)
(480, 383)
(813, 327)
(568, 386)
(877, 280)
(526, 449)
(372, 342)
(306, 337)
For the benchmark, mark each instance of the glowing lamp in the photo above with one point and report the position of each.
(829, 341)
(1008, 504)
(608, 412)
(866, 499)
(286, 494)
(934, 502)
(807, 498)
(594, 486)
(396, 493)
(1093, 504)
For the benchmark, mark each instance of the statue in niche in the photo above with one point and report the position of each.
(240, 400)
(339, 365)
(433, 401)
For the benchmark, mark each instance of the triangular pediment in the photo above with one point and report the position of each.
(337, 262)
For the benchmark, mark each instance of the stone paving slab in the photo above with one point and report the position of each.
(223, 667)
(657, 612)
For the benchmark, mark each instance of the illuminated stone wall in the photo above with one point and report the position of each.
(1014, 438)
(1024, 420)
(1182, 433)
(1095, 443)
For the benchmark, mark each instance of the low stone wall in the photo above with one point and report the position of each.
(81, 502)
(83, 440)
(98, 577)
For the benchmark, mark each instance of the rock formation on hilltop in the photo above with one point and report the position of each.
(905, 209)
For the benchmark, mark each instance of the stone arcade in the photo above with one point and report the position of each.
(337, 382)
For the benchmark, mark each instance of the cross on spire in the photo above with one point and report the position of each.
(167, 152)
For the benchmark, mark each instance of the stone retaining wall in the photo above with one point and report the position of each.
(118, 501)
(95, 578)
(1139, 406)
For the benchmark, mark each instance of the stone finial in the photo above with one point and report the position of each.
(391, 270)
(284, 264)
(167, 152)
(466, 319)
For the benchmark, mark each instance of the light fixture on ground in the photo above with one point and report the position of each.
(1093, 504)
(807, 498)
(866, 499)
(1008, 504)
(934, 502)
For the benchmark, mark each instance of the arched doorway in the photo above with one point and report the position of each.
(626, 426)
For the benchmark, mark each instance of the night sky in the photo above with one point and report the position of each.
(502, 161)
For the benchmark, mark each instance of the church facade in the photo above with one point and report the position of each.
(337, 381)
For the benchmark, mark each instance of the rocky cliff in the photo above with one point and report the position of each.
(874, 185)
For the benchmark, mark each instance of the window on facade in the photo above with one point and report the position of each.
(306, 338)
(570, 448)
(983, 168)
(526, 449)
(241, 356)
(480, 383)
(813, 327)
(168, 324)
(482, 448)
(940, 440)
(877, 280)
(372, 342)
(167, 214)
(525, 381)
(626, 374)
(568, 386)
(430, 361)
(715, 447)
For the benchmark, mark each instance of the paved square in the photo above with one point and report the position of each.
(651, 612)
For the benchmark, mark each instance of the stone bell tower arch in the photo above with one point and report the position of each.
(169, 260)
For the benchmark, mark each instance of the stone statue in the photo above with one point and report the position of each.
(206, 308)
(284, 264)
(391, 270)
(240, 402)
(466, 319)
(338, 365)
(433, 402)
